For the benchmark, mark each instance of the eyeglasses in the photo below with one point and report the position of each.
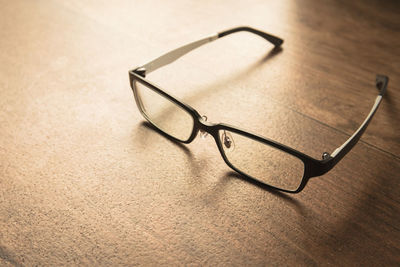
(253, 156)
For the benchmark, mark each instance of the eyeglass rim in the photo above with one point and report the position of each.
(311, 166)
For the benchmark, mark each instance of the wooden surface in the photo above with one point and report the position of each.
(83, 181)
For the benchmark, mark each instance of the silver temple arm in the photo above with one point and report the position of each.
(179, 52)
(363, 125)
(176, 53)
(340, 152)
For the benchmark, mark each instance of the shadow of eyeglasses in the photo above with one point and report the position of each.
(287, 198)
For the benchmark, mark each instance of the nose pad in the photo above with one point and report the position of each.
(227, 141)
(203, 134)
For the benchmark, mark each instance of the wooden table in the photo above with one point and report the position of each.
(84, 181)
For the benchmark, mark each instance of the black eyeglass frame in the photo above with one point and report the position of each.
(312, 167)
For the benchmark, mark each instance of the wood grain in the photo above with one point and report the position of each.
(83, 181)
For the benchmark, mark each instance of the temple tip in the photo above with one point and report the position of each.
(381, 83)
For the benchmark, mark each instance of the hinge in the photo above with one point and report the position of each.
(141, 71)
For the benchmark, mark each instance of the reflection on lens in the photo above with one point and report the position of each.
(261, 161)
(163, 113)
